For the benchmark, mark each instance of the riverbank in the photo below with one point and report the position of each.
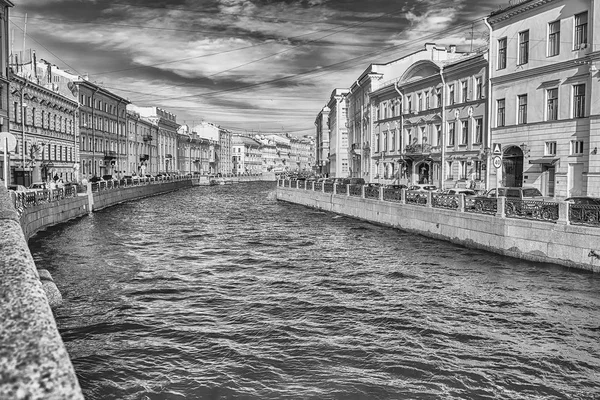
(554, 241)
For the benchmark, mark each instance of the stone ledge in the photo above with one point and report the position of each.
(34, 363)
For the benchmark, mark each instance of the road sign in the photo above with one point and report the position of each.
(12, 141)
(497, 161)
(496, 148)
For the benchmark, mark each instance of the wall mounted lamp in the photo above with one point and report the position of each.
(595, 151)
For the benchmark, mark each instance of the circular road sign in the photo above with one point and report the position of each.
(12, 141)
(497, 161)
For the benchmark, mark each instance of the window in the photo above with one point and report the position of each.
(465, 132)
(502, 53)
(438, 137)
(449, 170)
(451, 133)
(410, 107)
(450, 94)
(522, 109)
(464, 91)
(576, 147)
(420, 102)
(579, 101)
(463, 170)
(427, 100)
(500, 118)
(478, 130)
(581, 22)
(553, 38)
(438, 96)
(393, 145)
(552, 101)
(523, 47)
(478, 88)
(550, 149)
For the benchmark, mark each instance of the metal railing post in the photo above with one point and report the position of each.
(500, 212)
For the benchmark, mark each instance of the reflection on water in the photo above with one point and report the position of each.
(223, 293)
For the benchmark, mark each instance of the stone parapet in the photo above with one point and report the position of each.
(34, 363)
(543, 241)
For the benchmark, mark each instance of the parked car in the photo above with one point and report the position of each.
(515, 193)
(396, 186)
(423, 187)
(95, 178)
(109, 178)
(17, 188)
(38, 186)
(586, 209)
(521, 193)
(584, 200)
(455, 191)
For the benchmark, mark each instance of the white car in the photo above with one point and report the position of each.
(423, 187)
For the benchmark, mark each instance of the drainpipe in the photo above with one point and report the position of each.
(94, 130)
(401, 133)
(443, 138)
(488, 140)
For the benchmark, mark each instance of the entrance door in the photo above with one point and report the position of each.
(575, 179)
(549, 174)
(512, 167)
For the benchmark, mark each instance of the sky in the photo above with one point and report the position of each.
(252, 66)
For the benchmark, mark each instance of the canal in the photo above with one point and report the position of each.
(224, 293)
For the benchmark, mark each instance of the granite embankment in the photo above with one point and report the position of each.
(34, 363)
(556, 242)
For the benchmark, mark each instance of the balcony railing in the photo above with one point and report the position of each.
(109, 154)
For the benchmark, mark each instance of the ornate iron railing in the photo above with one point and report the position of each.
(531, 209)
(392, 194)
(328, 187)
(481, 205)
(356, 190)
(371, 192)
(414, 197)
(584, 214)
(301, 184)
(341, 189)
(439, 200)
(318, 186)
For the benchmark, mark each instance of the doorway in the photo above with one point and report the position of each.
(512, 167)
(575, 179)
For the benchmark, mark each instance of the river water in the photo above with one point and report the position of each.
(224, 293)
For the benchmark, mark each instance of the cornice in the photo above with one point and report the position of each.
(543, 70)
(515, 7)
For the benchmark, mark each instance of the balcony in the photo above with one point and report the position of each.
(144, 157)
(169, 156)
(147, 138)
(110, 154)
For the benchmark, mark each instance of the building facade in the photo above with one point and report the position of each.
(362, 161)
(322, 142)
(45, 125)
(224, 158)
(246, 156)
(338, 133)
(4, 82)
(102, 123)
(435, 111)
(545, 113)
(141, 148)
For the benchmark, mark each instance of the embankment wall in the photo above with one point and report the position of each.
(532, 240)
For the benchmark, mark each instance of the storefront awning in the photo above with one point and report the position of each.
(544, 161)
